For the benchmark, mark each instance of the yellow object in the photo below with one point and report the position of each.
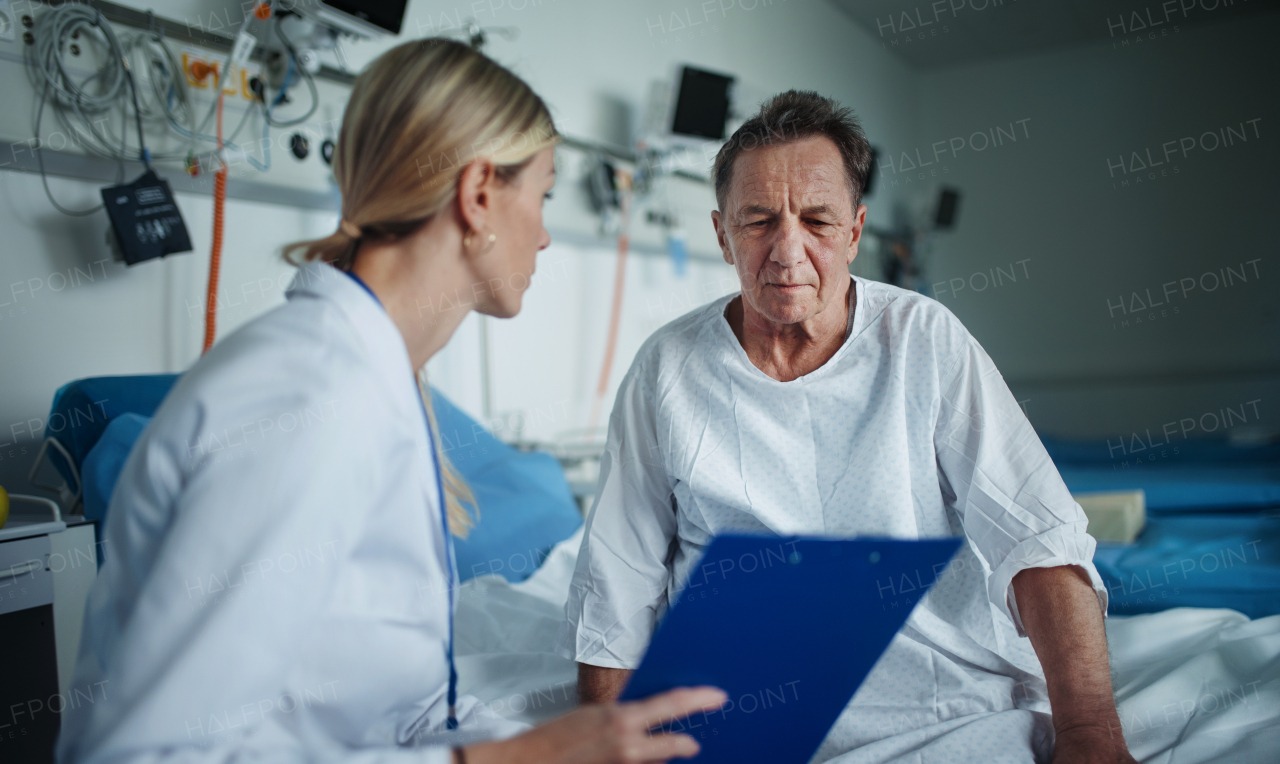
(4, 507)
(1116, 516)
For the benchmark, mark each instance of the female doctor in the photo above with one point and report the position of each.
(279, 581)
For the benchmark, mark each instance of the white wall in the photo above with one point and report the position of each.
(1058, 198)
(592, 62)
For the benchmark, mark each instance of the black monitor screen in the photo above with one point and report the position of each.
(387, 14)
(702, 105)
(948, 202)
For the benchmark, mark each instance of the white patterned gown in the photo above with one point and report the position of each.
(908, 431)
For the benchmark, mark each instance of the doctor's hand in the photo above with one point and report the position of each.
(609, 733)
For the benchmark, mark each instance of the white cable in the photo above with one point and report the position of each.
(52, 31)
(82, 104)
(86, 98)
(292, 52)
(71, 466)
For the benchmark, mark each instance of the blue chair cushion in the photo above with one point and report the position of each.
(82, 410)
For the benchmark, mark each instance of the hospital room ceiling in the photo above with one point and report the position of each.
(930, 35)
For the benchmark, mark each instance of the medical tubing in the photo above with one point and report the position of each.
(166, 88)
(45, 59)
(44, 176)
(221, 72)
(44, 63)
(215, 252)
(56, 26)
(230, 142)
(137, 114)
(615, 317)
(311, 83)
(83, 97)
(78, 100)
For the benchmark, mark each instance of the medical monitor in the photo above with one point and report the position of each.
(701, 104)
(362, 18)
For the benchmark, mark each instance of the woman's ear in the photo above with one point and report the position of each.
(475, 193)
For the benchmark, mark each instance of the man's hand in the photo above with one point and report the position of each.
(1060, 614)
(598, 684)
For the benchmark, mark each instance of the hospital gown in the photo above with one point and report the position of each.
(276, 586)
(908, 431)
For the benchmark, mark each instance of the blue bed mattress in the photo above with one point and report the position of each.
(1206, 475)
(1212, 537)
(1218, 560)
(1187, 488)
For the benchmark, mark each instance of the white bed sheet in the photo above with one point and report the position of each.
(1198, 685)
(1193, 685)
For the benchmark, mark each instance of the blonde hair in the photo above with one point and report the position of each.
(417, 117)
(456, 491)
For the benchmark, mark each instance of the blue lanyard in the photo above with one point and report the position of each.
(452, 721)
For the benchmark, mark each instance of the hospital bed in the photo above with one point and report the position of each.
(1212, 535)
(1194, 624)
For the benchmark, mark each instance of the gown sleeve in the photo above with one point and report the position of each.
(1016, 511)
(619, 586)
(210, 622)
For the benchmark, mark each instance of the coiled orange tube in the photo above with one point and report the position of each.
(615, 314)
(215, 253)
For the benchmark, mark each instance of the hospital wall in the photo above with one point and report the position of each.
(75, 313)
(1116, 257)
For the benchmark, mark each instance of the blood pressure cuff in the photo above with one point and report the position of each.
(145, 218)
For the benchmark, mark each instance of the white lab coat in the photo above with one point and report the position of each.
(275, 585)
(908, 431)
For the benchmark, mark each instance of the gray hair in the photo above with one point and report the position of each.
(792, 116)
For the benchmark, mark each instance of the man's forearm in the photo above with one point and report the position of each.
(598, 684)
(1060, 614)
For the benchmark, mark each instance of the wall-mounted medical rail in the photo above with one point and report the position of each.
(175, 30)
(20, 156)
(187, 33)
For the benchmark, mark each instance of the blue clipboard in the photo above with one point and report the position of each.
(789, 628)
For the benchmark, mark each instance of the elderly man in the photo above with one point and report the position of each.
(817, 403)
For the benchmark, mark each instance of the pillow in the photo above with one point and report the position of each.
(525, 505)
(101, 467)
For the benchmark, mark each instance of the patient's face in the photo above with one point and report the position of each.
(789, 228)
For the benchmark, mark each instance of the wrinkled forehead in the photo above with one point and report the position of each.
(808, 172)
